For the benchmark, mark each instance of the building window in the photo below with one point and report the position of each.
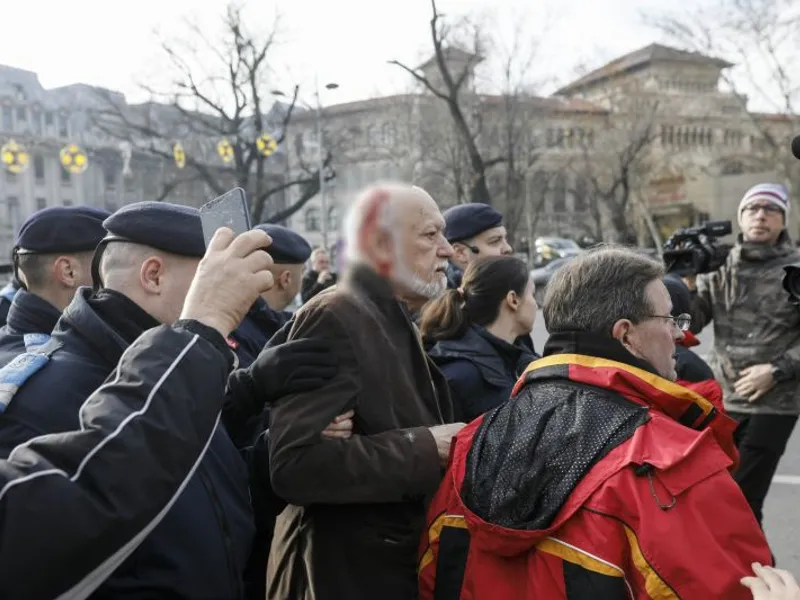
(36, 119)
(560, 193)
(389, 135)
(63, 127)
(38, 168)
(312, 218)
(22, 114)
(8, 119)
(66, 202)
(333, 218)
(13, 214)
(41, 203)
(66, 177)
(48, 119)
(581, 200)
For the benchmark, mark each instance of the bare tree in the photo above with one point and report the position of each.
(450, 87)
(761, 38)
(617, 175)
(222, 96)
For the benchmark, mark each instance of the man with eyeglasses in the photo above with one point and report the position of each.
(603, 477)
(756, 352)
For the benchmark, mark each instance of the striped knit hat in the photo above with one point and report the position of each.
(774, 193)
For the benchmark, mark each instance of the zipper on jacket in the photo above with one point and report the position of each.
(227, 538)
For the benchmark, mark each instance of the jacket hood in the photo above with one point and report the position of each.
(526, 467)
(30, 313)
(107, 321)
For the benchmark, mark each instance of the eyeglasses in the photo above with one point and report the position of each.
(682, 322)
(767, 208)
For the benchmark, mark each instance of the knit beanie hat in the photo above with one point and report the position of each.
(774, 193)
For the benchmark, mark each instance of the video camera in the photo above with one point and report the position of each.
(694, 250)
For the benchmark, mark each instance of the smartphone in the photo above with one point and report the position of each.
(229, 210)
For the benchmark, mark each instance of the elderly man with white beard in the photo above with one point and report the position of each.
(357, 505)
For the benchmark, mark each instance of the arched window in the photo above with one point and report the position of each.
(333, 218)
(312, 218)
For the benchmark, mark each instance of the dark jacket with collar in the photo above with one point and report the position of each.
(357, 506)
(200, 548)
(7, 294)
(481, 370)
(29, 314)
(256, 329)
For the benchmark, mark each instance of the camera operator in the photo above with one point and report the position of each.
(756, 353)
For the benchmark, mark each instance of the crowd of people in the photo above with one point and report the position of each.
(170, 429)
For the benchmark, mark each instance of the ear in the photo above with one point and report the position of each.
(284, 280)
(66, 271)
(512, 299)
(621, 330)
(151, 275)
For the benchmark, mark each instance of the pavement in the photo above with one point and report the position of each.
(782, 508)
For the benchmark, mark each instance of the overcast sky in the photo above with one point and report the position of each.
(115, 43)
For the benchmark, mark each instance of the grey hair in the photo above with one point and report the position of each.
(595, 290)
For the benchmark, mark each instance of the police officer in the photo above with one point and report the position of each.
(52, 256)
(473, 230)
(144, 267)
(289, 251)
(83, 501)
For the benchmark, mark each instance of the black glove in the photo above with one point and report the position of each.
(293, 367)
(279, 370)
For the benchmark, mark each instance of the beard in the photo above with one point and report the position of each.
(418, 286)
(405, 277)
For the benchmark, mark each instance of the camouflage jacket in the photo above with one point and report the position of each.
(754, 323)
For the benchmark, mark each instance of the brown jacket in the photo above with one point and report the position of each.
(357, 506)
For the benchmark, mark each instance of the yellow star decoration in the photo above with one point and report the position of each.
(73, 159)
(225, 150)
(266, 144)
(179, 154)
(14, 156)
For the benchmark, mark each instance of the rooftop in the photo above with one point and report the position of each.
(641, 58)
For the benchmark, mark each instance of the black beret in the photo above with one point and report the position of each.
(288, 247)
(61, 229)
(168, 227)
(679, 294)
(464, 221)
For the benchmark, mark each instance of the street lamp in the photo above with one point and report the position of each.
(320, 157)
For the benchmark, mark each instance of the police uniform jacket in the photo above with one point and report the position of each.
(68, 504)
(256, 329)
(200, 548)
(30, 321)
(481, 370)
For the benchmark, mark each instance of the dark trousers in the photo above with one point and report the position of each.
(761, 440)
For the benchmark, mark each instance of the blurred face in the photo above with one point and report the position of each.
(761, 222)
(322, 262)
(492, 242)
(421, 250)
(524, 308)
(653, 339)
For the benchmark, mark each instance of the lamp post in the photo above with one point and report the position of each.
(320, 156)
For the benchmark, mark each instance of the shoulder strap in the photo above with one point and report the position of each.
(14, 375)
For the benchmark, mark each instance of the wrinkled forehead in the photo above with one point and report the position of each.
(419, 212)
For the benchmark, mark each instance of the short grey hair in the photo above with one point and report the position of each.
(598, 288)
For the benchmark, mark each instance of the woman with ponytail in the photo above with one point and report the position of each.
(473, 333)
